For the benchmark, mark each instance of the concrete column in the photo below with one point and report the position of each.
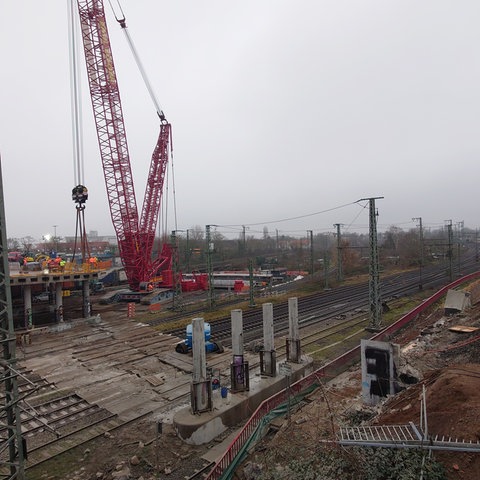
(87, 310)
(237, 332)
(27, 300)
(59, 301)
(267, 355)
(293, 341)
(198, 349)
(201, 387)
(239, 373)
(268, 334)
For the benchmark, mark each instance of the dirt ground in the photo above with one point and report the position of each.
(134, 452)
(446, 362)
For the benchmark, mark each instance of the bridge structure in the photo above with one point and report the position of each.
(58, 282)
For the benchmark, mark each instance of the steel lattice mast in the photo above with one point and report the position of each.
(374, 276)
(11, 443)
(135, 236)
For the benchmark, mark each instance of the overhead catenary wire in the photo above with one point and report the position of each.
(291, 218)
(352, 224)
(358, 214)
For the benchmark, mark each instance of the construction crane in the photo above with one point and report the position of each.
(135, 233)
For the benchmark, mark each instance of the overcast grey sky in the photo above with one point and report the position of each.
(279, 109)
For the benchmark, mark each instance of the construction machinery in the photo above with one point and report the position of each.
(185, 346)
(97, 287)
(135, 232)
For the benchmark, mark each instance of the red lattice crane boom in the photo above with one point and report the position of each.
(135, 235)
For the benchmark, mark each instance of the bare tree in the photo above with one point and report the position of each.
(13, 244)
(196, 233)
(27, 243)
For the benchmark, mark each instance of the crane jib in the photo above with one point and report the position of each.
(135, 234)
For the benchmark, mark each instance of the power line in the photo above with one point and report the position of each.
(291, 218)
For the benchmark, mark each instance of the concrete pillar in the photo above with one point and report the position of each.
(59, 301)
(268, 333)
(198, 348)
(267, 355)
(237, 332)
(293, 340)
(27, 300)
(87, 310)
(201, 387)
(239, 373)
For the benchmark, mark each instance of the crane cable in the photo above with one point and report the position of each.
(75, 92)
(79, 192)
(123, 24)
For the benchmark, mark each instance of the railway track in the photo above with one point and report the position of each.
(56, 422)
(325, 305)
(55, 426)
(98, 378)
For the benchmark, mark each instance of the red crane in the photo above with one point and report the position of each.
(135, 234)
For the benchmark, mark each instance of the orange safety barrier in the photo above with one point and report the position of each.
(104, 265)
(131, 310)
(154, 307)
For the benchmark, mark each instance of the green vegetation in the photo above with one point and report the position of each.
(357, 464)
(62, 465)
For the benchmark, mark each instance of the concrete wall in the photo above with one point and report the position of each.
(203, 428)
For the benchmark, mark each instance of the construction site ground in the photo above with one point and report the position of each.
(445, 361)
(130, 370)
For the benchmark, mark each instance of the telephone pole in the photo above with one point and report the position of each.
(476, 244)
(449, 249)
(251, 283)
(211, 288)
(310, 234)
(460, 226)
(420, 225)
(187, 252)
(244, 240)
(177, 303)
(374, 283)
(55, 239)
(339, 252)
(326, 263)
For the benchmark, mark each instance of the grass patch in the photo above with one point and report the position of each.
(64, 466)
